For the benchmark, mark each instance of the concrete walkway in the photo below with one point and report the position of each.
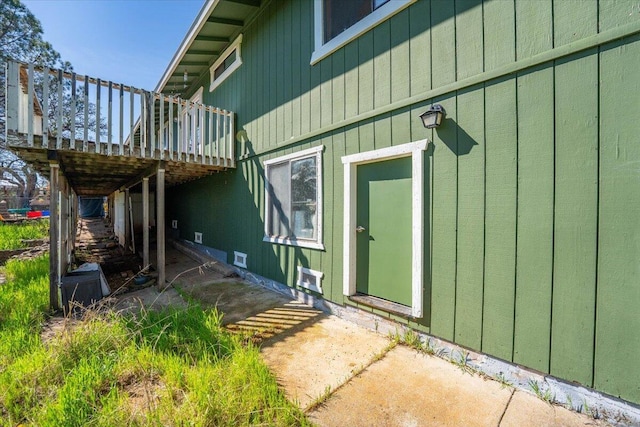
(344, 375)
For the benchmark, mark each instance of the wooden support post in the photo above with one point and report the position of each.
(145, 222)
(160, 225)
(54, 237)
(127, 226)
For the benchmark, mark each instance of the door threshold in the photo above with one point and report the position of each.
(382, 304)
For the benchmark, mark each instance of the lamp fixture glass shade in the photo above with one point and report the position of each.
(433, 116)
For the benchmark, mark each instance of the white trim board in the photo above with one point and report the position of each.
(416, 151)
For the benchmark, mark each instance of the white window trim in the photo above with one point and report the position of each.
(317, 244)
(317, 274)
(415, 150)
(323, 50)
(215, 82)
(197, 237)
(239, 259)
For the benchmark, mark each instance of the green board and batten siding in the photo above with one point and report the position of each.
(533, 181)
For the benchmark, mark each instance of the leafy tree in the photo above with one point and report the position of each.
(21, 39)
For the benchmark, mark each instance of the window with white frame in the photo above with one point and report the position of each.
(337, 22)
(293, 202)
(226, 64)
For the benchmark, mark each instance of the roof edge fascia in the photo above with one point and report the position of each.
(195, 28)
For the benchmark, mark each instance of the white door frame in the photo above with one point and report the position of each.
(415, 150)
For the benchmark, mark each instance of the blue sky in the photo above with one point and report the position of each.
(128, 42)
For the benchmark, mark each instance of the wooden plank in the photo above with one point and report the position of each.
(172, 128)
(151, 100)
(444, 222)
(470, 212)
(109, 117)
(399, 61)
(13, 94)
(306, 49)
(30, 101)
(278, 51)
(326, 94)
(180, 130)
(420, 47)
(381, 65)
(575, 221)
(131, 122)
(160, 226)
(285, 25)
(574, 20)
(500, 218)
(162, 142)
(615, 13)
(337, 86)
(145, 222)
(499, 34)
(143, 123)
(97, 129)
(365, 72)
(297, 62)
(534, 27)
(59, 111)
(443, 30)
(85, 100)
(121, 124)
(535, 219)
(54, 237)
(618, 293)
(350, 80)
(45, 107)
(469, 38)
(72, 119)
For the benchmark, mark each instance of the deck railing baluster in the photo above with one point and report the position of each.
(232, 140)
(171, 130)
(161, 141)
(180, 138)
(225, 136)
(109, 118)
(60, 111)
(218, 137)
(85, 142)
(132, 95)
(45, 108)
(72, 119)
(98, 148)
(121, 126)
(201, 133)
(30, 100)
(152, 121)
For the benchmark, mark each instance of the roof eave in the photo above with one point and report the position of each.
(196, 26)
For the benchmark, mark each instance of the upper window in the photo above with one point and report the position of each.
(226, 64)
(337, 22)
(293, 208)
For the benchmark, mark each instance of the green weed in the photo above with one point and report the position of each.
(545, 395)
(11, 235)
(175, 367)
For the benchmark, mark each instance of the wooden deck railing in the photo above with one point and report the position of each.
(53, 109)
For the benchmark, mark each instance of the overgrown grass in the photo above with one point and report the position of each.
(176, 367)
(12, 234)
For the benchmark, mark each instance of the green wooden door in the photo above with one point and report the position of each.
(383, 251)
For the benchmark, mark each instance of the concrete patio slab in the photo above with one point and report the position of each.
(528, 410)
(407, 388)
(320, 357)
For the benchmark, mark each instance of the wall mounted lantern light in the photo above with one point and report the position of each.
(433, 116)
